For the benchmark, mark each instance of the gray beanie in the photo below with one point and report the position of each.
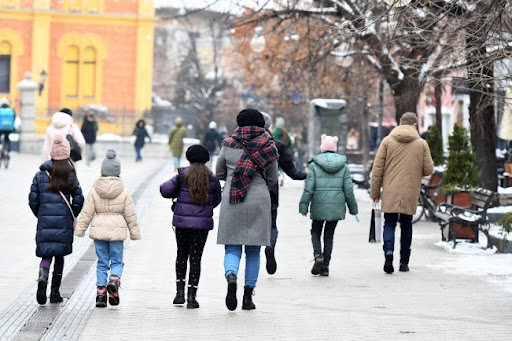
(111, 165)
(267, 118)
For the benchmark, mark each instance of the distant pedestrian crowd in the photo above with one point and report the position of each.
(248, 161)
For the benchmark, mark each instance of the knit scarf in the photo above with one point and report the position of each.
(260, 145)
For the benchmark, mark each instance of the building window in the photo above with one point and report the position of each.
(71, 71)
(5, 66)
(89, 72)
(95, 6)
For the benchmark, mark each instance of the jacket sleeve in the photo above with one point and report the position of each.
(33, 197)
(348, 189)
(378, 170)
(130, 215)
(77, 201)
(170, 188)
(78, 136)
(309, 189)
(220, 168)
(171, 134)
(217, 193)
(428, 163)
(86, 215)
(288, 166)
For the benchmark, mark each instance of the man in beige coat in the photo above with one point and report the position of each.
(402, 160)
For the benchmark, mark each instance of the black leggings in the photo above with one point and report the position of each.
(316, 231)
(190, 245)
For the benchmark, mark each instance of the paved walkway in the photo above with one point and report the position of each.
(357, 301)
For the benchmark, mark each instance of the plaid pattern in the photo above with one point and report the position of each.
(263, 150)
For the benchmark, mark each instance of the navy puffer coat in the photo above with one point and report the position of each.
(187, 214)
(54, 236)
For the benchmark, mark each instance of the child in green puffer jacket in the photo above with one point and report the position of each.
(329, 190)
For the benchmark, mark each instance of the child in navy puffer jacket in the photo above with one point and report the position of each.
(198, 192)
(54, 236)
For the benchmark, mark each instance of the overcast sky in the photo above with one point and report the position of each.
(217, 5)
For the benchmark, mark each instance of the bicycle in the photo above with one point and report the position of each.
(426, 205)
(4, 154)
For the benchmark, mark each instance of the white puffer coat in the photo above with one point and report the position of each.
(110, 210)
(62, 124)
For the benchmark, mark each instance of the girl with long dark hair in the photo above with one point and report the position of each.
(198, 192)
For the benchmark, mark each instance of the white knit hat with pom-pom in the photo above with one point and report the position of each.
(111, 165)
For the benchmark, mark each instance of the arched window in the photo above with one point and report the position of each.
(89, 72)
(71, 71)
(95, 6)
(5, 66)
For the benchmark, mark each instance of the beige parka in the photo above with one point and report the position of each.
(110, 210)
(402, 160)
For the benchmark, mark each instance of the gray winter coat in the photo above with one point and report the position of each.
(248, 222)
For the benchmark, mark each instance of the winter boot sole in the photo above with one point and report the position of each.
(388, 264)
(231, 301)
(41, 292)
(113, 295)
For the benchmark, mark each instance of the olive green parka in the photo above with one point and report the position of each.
(176, 135)
(328, 188)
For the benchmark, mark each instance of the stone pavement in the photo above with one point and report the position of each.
(357, 301)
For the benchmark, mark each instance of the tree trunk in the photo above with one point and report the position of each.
(481, 114)
(438, 95)
(405, 95)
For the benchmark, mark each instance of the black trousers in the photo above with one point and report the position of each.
(190, 245)
(316, 231)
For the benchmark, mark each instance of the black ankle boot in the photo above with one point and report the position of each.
(247, 303)
(42, 282)
(180, 292)
(101, 297)
(55, 294)
(191, 298)
(231, 301)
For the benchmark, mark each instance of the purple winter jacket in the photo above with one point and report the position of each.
(187, 214)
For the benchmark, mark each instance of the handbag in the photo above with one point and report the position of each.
(67, 203)
(274, 199)
(375, 225)
(75, 153)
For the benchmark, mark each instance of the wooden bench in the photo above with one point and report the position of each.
(465, 222)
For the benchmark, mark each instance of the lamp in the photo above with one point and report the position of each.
(258, 41)
(43, 80)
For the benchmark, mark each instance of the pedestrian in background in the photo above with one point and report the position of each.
(55, 199)
(176, 135)
(327, 193)
(287, 164)
(140, 133)
(402, 159)
(212, 140)
(198, 192)
(110, 210)
(89, 130)
(245, 215)
(7, 120)
(62, 124)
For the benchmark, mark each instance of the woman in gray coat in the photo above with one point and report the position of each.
(245, 216)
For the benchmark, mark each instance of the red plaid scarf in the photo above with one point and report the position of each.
(263, 150)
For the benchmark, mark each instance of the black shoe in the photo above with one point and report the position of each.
(388, 265)
(324, 271)
(319, 262)
(191, 298)
(42, 283)
(404, 267)
(180, 292)
(113, 290)
(247, 303)
(231, 301)
(101, 297)
(271, 260)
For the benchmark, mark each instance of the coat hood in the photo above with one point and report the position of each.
(330, 162)
(60, 120)
(178, 122)
(404, 134)
(109, 187)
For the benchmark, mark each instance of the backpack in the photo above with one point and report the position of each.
(6, 119)
(75, 153)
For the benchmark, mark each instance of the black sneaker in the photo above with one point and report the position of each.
(319, 262)
(388, 265)
(324, 271)
(271, 260)
(101, 297)
(404, 267)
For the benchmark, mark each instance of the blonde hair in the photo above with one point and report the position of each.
(409, 118)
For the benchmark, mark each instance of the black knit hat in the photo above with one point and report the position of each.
(250, 117)
(197, 154)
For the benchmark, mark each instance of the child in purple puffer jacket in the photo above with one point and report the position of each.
(198, 192)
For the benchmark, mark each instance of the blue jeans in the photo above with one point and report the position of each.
(252, 262)
(273, 229)
(137, 152)
(176, 161)
(110, 257)
(390, 220)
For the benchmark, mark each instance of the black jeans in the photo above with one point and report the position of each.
(316, 232)
(190, 245)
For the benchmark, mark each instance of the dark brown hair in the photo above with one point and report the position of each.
(198, 182)
(59, 179)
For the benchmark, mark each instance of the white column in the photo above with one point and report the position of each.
(29, 143)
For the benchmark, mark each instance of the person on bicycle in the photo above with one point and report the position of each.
(7, 117)
(402, 159)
